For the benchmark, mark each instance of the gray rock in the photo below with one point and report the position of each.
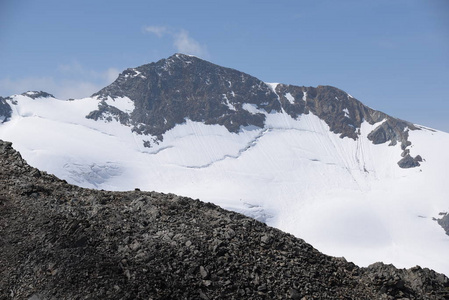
(37, 94)
(444, 222)
(5, 110)
(168, 92)
(203, 272)
(409, 162)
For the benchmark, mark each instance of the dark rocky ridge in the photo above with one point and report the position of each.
(167, 92)
(59, 241)
(181, 87)
(444, 221)
(5, 110)
(37, 94)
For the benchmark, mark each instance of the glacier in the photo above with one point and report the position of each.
(346, 197)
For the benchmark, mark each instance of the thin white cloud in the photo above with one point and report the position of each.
(73, 81)
(185, 44)
(182, 41)
(157, 30)
(77, 89)
(71, 68)
(110, 74)
(76, 69)
(60, 88)
(10, 86)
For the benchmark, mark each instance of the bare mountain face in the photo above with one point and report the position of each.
(181, 87)
(60, 241)
(5, 110)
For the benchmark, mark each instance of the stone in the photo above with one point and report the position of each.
(444, 222)
(5, 110)
(294, 294)
(203, 272)
(409, 162)
(266, 239)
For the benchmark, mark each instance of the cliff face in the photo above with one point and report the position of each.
(444, 221)
(60, 241)
(5, 110)
(181, 87)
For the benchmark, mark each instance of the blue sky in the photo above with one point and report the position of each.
(393, 55)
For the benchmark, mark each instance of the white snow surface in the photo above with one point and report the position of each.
(122, 103)
(346, 198)
(136, 73)
(272, 86)
(290, 98)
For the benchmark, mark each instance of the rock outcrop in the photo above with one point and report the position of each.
(59, 241)
(410, 162)
(37, 94)
(5, 110)
(444, 221)
(168, 92)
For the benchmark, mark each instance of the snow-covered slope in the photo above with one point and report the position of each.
(347, 197)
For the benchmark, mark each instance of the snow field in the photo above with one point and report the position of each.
(347, 198)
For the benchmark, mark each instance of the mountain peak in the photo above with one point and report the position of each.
(181, 87)
(184, 56)
(291, 156)
(37, 94)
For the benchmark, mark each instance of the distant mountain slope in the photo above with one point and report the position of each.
(60, 241)
(314, 162)
(182, 87)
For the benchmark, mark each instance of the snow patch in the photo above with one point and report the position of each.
(136, 74)
(290, 98)
(272, 86)
(122, 103)
(252, 108)
(228, 104)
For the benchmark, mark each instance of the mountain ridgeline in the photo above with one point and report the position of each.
(287, 156)
(181, 87)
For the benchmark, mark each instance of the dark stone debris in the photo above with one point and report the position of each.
(59, 241)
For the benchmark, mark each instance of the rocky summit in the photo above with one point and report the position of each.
(168, 92)
(60, 241)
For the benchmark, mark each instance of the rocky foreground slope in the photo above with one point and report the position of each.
(59, 241)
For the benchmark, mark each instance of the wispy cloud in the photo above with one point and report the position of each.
(72, 81)
(182, 41)
(157, 30)
(76, 69)
(185, 44)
